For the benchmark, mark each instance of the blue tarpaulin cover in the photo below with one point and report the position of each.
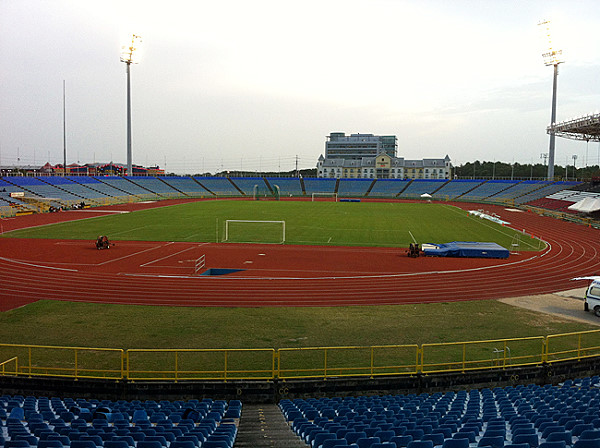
(466, 249)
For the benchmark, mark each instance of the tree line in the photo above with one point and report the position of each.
(502, 170)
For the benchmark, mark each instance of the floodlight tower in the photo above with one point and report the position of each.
(130, 55)
(552, 57)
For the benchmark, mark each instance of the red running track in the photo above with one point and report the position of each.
(159, 273)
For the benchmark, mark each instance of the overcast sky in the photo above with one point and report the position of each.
(251, 85)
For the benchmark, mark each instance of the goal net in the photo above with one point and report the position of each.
(246, 231)
(324, 197)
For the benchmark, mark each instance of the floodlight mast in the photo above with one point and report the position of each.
(552, 57)
(128, 56)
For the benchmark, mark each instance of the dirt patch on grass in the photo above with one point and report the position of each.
(564, 305)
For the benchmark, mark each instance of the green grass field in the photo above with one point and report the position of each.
(344, 224)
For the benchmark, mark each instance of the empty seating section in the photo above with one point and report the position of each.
(247, 184)
(354, 187)
(6, 189)
(155, 185)
(573, 196)
(72, 186)
(547, 190)
(91, 189)
(42, 189)
(520, 189)
(126, 186)
(385, 188)
(487, 189)
(288, 186)
(29, 422)
(420, 186)
(221, 186)
(553, 204)
(186, 185)
(516, 416)
(105, 188)
(319, 186)
(456, 188)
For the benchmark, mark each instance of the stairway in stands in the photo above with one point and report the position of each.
(264, 426)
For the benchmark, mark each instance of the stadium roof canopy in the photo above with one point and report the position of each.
(585, 128)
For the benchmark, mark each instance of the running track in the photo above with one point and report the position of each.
(574, 250)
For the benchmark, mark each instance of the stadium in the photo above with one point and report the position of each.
(316, 249)
(381, 300)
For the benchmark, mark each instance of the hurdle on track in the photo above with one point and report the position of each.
(200, 264)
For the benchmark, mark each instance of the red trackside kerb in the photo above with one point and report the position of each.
(162, 273)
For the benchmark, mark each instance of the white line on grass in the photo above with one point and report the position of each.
(458, 210)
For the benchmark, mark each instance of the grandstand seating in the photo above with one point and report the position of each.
(42, 189)
(520, 189)
(313, 185)
(155, 185)
(547, 190)
(288, 186)
(72, 186)
(487, 189)
(186, 185)
(246, 184)
(126, 185)
(353, 187)
(27, 422)
(552, 204)
(385, 188)
(94, 184)
(511, 417)
(221, 186)
(93, 189)
(456, 188)
(421, 186)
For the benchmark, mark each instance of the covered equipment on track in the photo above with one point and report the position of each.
(468, 249)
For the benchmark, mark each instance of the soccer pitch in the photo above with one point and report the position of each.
(387, 224)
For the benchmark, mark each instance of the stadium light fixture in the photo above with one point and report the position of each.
(552, 57)
(130, 55)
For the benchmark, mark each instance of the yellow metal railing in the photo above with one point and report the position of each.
(73, 362)
(294, 363)
(569, 346)
(6, 363)
(200, 364)
(323, 362)
(491, 354)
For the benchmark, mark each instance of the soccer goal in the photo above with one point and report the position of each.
(247, 231)
(324, 196)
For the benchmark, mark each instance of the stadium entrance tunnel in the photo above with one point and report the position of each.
(220, 271)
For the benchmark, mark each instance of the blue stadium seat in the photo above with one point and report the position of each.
(587, 443)
(492, 441)
(531, 439)
(16, 444)
(116, 444)
(50, 443)
(83, 444)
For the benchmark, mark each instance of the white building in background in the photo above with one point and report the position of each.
(371, 156)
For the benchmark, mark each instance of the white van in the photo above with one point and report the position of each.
(592, 298)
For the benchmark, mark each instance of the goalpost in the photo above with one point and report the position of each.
(251, 231)
(317, 195)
